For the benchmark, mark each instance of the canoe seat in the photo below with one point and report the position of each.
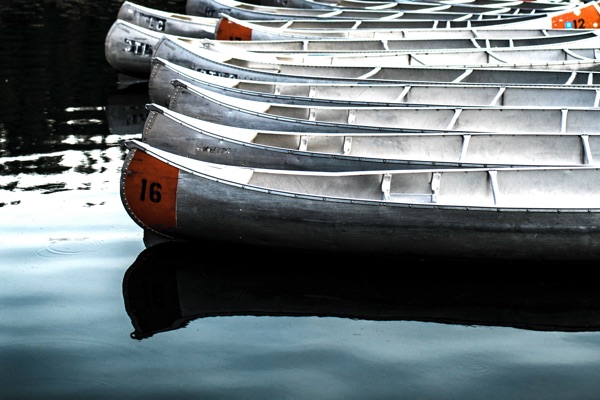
(425, 187)
(411, 197)
(345, 150)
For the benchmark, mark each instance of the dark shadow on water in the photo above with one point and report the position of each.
(173, 283)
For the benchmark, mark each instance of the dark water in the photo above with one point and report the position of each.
(86, 312)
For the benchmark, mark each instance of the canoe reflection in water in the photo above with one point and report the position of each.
(173, 283)
(126, 108)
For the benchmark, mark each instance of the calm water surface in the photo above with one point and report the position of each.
(87, 312)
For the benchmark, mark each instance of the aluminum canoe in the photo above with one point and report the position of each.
(393, 10)
(230, 28)
(346, 151)
(227, 65)
(129, 48)
(501, 213)
(576, 39)
(160, 89)
(497, 7)
(571, 56)
(215, 107)
(524, 5)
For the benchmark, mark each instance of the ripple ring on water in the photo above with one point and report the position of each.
(66, 247)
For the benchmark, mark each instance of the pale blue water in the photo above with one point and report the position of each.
(72, 293)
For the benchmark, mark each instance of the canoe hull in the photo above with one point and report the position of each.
(160, 90)
(183, 205)
(317, 151)
(229, 28)
(206, 61)
(227, 110)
